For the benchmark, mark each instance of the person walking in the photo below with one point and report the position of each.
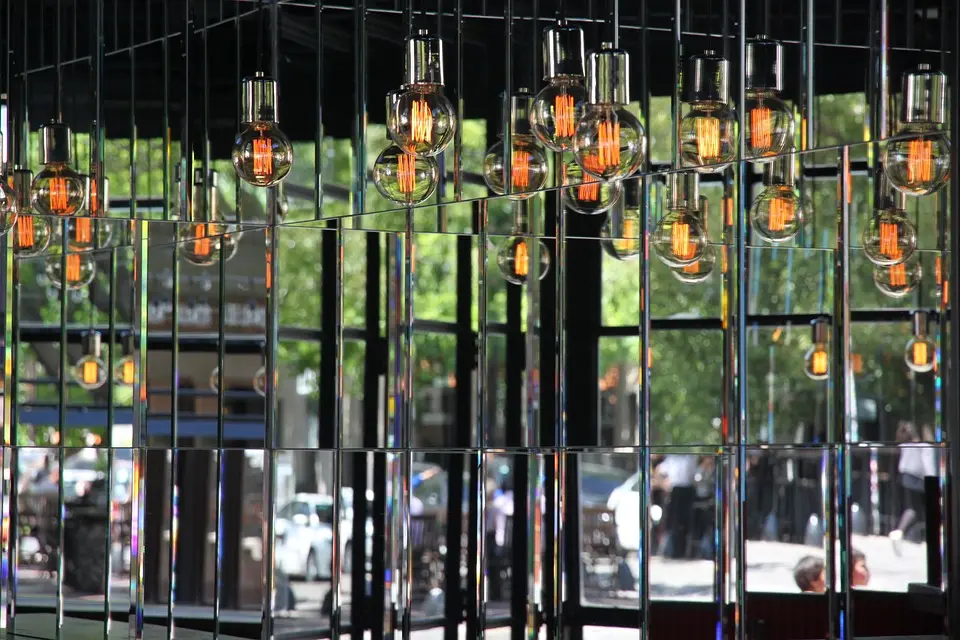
(917, 460)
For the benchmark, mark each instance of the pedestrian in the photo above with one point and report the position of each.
(680, 471)
(810, 575)
(916, 462)
(859, 571)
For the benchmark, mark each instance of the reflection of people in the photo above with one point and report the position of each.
(810, 575)
(680, 471)
(859, 573)
(916, 462)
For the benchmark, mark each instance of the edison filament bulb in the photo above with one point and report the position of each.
(777, 213)
(125, 370)
(816, 362)
(768, 121)
(32, 234)
(514, 260)
(528, 162)
(80, 271)
(558, 107)
(680, 237)
(9, 203)
(89, 371)
(403, 177)
(699, 271)
(620, 233)
(588, 194)
(610, 141)
(918, 162)
(920, 351)
(708, 133)
(898, 280)
(889, 238)
(201, 239)
(422, 120)
(57, 190)
(262, 154)
(85, 232)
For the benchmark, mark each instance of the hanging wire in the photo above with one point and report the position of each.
(561, 9)
(57, 97)
(260, 53)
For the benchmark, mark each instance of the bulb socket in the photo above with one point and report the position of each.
(258, 99)
(103, 203)
(562, 51)
(424, 60)
(22, 179)
(924, 96)
(520, 105)
(920, 320)
(782, 171)
(608, 75)
(819, 330)
(704, 78)
(391, 98)
(55, 144)
(764, 66)
(129, 344)
(684, 190)
(90, 342)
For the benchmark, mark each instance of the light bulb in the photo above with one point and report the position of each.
(777, 213)
(698, 271)
(9, 202)
(202, 239)
(610, 141)
(708, 133)
(680, 237)
(403, 177)
(262, 154)
(587, 194)
(422, 120)
(920, 351)
(229, 241)
(898, 280)
(890, 238)
(620, 233)
(89, 371)
(57, 189)
(918, 162)
(125, 369)
(32, 234)
(260, 381)
(559, 106)
(528, 162)
(513, 259)
(200, 243)
(816, 362)
(81, 270)
(768, 119)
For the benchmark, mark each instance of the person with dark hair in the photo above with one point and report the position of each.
(916, 462)
(810, 575)
(859, 572)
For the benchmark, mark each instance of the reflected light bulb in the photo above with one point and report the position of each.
(9, 204)
(698, 271)
(777, 213)
(57, 189)
(125, 370)
(262, 153)
(260, 381)
(200, 243)
(89, 371)
(918, 162)
(528, 162)
(80, 272)
(890, 238)
(769, 121)
(514, 260)
(32, 233)
(898, 280)
(920, 351)
(620, 233)
(588, 194)
(610, 141)
(816, 362)
(708, 133)
(559, 106)
(403, 177)
(680, 237)
(421, 119)
(86, 232)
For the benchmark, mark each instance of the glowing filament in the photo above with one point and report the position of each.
(708, 138)
(73, 267)
(819, 362)
(520, 169)
(521, 261)
(921, 353)
(262, 156)
(563, 115)
(889, 241)
(94, 206)
(202, 242)
(693, 267)
(58, 194)
(629, 235)
(898, 275)
(761, 129)
(128, 372)
(82, 231)
(91, 372)
(25, 232)
(781, 213)
(407, 172)
(608, 144)
(590, 191)
(421, 121)
(680, 239)
(919, 160)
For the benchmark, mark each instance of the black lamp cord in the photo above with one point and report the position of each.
(57, 98)
(261, 63)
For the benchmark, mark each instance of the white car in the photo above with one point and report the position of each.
(625, 504)
(305, 535)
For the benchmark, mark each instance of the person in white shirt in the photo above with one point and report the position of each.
(679, 471)
(917, 460)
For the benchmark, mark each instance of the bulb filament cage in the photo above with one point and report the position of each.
(26, 234)
(919, 160)
(782, 212)
(73, 268)
(406, 172)
(761, 127)
(680, 241)
(520, 169)
(608, 151)
(898, 275)
(521, 260)
(819, 362)
(921, 352)
(91, 372)
(421, 121)
(889, 241)
(262, 156)
(563, 115)
(58, 194)
(708, 138)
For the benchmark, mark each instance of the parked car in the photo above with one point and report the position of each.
(304, 532)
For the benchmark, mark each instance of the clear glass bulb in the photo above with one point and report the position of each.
(229, 241)
(513, 259)
(125, 371)
(403, 177)
(816, 362)
(85, 233)
(556, 111)
(620, 234)
(587, 194)
(9, 207)
(262, 154)
(422, 120)
(81, 270)
(528, 167)
(31, 236)
(769, 125)
(920, 354)
(890, 238)
(898, 280)
(89, 372)
(57, 190)
(918, 165)
(679, 238)
(777, 214)
(260, 381)
(698, 271)
(609, 142)
(708, 137)
(200, 243)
